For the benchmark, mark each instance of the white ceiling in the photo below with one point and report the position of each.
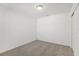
(50, 8)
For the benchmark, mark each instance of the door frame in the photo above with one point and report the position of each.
(73, 9)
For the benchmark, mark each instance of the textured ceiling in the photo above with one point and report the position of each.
(50, 8)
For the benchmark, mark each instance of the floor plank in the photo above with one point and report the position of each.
(40, 48)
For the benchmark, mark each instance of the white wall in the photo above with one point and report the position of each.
(2, 14)
(15, 29)
(1, 22)
(75, 32)
(55, 29)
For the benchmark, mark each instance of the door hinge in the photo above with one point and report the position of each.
(72, 13)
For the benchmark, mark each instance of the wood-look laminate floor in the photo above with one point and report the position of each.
(40, 48)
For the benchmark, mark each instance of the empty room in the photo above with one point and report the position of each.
(39, 29)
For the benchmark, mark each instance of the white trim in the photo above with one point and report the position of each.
(74, 7)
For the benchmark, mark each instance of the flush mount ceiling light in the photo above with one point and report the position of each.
(39, 6)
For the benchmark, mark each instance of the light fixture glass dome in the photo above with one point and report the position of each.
(39, 6)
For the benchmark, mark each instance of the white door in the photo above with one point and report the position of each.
(75, 31)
